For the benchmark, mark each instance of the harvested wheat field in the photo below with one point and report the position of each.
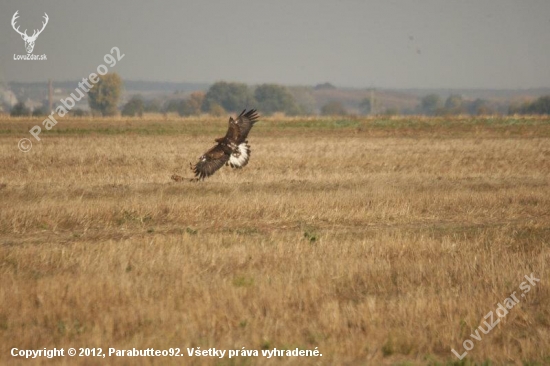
(373, 241)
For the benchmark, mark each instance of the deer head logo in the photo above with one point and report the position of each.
(29, 41)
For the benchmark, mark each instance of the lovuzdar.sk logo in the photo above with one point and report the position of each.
(29, 40)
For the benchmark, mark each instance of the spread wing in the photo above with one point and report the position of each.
(244, 124)
(211, 161)
(238, 129)
(232, 131)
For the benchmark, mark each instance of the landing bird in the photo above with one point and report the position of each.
(232, 149)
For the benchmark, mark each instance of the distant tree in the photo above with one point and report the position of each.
(430, 104)
(365, 106)
(453, 104)
(479, 107)
(391, 111)
(79, 112)
(104, 96)
(231, 96)
(539, 106)
(185, 108)
(192, 105)
(514, 108)
(134, 107)
(20, 109)
(333, 108)
(172, 106)
(273, 98)
(324, 86)
(217, 110)
(40, 111)
(153, 106)
(305, 99)
(196, 99)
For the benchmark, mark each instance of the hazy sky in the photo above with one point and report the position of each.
(388, 44)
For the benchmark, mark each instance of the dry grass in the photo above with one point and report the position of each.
(377, 241)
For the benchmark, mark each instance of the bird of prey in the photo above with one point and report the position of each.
(232, 149)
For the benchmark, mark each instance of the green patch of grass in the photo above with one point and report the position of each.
(388, 348)
(190, 231)
(310, 236)
(243, 281)
(61, 327)
(265, 344)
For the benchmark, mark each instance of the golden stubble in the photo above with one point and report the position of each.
(378, 244)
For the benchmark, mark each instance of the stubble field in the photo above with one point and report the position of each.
(376, 241)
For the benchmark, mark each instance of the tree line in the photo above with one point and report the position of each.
(223, 97)
(433, 105)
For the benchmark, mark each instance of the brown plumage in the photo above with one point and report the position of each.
(232, 149)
